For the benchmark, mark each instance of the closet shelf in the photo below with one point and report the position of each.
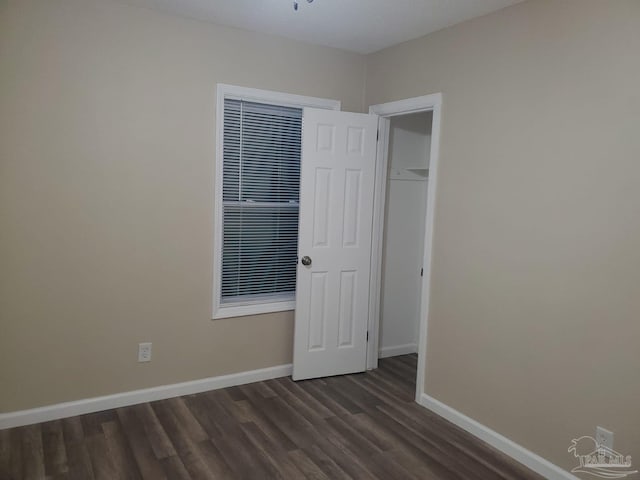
(415, 174)
(423, 172)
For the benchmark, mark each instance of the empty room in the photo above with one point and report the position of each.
(319, 239)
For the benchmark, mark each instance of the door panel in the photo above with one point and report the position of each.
(336, 210)
(346, 321)
(351, 217)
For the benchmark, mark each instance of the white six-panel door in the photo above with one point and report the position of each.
(336, 211)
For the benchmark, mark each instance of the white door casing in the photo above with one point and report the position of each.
(335, 230)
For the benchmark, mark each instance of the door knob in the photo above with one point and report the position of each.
(306, 261)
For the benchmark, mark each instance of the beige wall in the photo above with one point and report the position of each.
(534, 324)
(107, 127)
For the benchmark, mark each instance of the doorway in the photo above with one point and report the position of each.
(396, 120)
(404, 228)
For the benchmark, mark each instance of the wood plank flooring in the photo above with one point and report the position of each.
(363, 426)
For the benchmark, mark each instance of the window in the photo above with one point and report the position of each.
(257, 199)
(261, 177)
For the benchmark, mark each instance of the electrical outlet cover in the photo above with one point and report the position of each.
(604, 437)
(144, 352)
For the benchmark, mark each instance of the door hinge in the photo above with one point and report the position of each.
(367, 335)
(377, 135)
(422, 272)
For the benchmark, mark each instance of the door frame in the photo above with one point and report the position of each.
(426, 103)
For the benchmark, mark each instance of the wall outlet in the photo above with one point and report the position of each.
(604, 437)
(144, 352)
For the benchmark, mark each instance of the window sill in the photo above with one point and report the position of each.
(229, 311)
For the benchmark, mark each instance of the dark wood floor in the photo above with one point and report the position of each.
(362, 426)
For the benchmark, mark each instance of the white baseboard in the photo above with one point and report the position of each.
(96, 404)
(398, 350)
(506, 446)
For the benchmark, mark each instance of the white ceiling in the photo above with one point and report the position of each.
(361, 26)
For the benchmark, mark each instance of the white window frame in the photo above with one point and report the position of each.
(261, 96)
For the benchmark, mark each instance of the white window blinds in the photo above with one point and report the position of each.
(261, 177)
